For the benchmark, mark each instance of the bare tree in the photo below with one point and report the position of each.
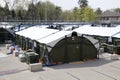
(17, 3)
(11, 4)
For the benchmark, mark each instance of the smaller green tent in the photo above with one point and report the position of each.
(6, 35)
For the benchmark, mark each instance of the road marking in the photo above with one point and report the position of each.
(73, 76)
(11, 71)
(104, 74)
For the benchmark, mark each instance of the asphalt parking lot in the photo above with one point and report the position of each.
(101, 69)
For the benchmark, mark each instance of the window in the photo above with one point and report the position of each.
(107, 18)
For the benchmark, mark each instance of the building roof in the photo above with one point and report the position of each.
(110, 14)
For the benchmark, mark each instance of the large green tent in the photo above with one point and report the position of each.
(72, 49)
(58, 46)
(61, 48)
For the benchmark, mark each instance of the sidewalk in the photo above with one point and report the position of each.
(102, 69)
(3, 49)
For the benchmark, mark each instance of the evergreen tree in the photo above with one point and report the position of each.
(31, 12)
(83, 3)
(13, 14)
(76, 13)
(2, 13)
(58, 13)
(98, 11)
(117, 10)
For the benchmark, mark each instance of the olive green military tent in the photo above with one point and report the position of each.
(6, 35)
(109, 37)
(26, 38)
(66, 46)
(55, 46)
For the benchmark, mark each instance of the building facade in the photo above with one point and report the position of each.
(109, 17)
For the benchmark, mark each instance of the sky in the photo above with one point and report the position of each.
(103, 4)
(70, 4)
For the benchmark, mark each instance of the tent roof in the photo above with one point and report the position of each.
(54, 38)
(57, 36)
(8, 30)
(98, 31)
(6, 26)
(46, 36)
(36, 32)
(117, 36)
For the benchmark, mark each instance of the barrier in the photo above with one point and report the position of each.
(35, 67)
(114, 57)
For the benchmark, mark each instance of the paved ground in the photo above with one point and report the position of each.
(103, 69)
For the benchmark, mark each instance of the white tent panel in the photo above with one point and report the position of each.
(42, 26)
(36, 32)
(98, 31)
(68, 28)
(117, 35)
(47, 36)
(6, 26)
(54, 38)
(95, 42)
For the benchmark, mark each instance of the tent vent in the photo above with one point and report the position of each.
(74, 34)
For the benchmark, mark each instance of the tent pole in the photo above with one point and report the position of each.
(66, 51)
(98, 53)
(81, 50)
